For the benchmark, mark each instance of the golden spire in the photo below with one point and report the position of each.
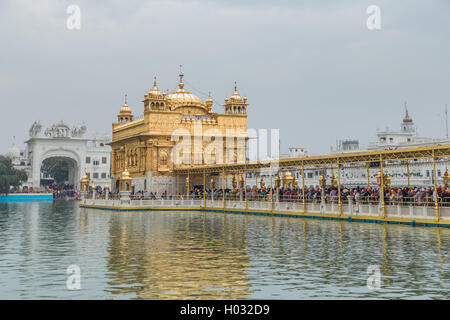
(209, 97)
(209, 102)
(85, 178)
(154, 92)
(125, 108)
(235, 97)
(181, 84)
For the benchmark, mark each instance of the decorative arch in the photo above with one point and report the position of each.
(66, 154)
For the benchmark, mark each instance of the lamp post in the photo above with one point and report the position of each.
(125, 181)
(387, 180)
(287, 180)
(334, 182)
(84, 185)
(379, 178)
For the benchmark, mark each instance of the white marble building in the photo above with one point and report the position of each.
(421, 171)
(90, 155)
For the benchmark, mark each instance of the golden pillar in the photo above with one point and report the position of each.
(303, 187)
(334, 182)
(436, 203)
(409, 177)
(339, 187)
(241, 186)
(383, 207)
(188, 185)
(178, 185)
(234, 182)
(204, 188)
(223, 187)
(271, 190)
(245, 185)
(277, 186)
(322, 185)
(368, 175)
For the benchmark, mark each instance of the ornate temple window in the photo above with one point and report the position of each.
(163, 161)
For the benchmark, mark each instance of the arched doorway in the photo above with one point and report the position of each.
(59, 170)
(74, 166)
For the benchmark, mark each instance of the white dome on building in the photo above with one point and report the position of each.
(13, 152)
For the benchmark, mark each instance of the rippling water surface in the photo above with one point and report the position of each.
(194, 255)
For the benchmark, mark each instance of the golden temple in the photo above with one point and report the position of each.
(146, 147)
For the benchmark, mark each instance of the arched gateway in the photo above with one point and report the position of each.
(81, 154)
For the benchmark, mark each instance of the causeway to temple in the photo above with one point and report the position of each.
(284, 195)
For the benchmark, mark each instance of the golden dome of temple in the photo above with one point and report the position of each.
(182, 97)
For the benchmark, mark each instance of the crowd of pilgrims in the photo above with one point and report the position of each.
(393, 195)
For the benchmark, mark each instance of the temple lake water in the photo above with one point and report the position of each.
(199, 255)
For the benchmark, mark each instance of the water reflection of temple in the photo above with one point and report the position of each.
(178, 256)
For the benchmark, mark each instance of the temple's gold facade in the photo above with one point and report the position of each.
(151, 147)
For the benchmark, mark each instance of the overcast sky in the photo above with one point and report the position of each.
(310, 68)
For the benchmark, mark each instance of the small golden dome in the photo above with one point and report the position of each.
(287, 178)
(154, 91)
(236, 97)
(209, 100)
(125, 110)
(407, 118)
(85, 178)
